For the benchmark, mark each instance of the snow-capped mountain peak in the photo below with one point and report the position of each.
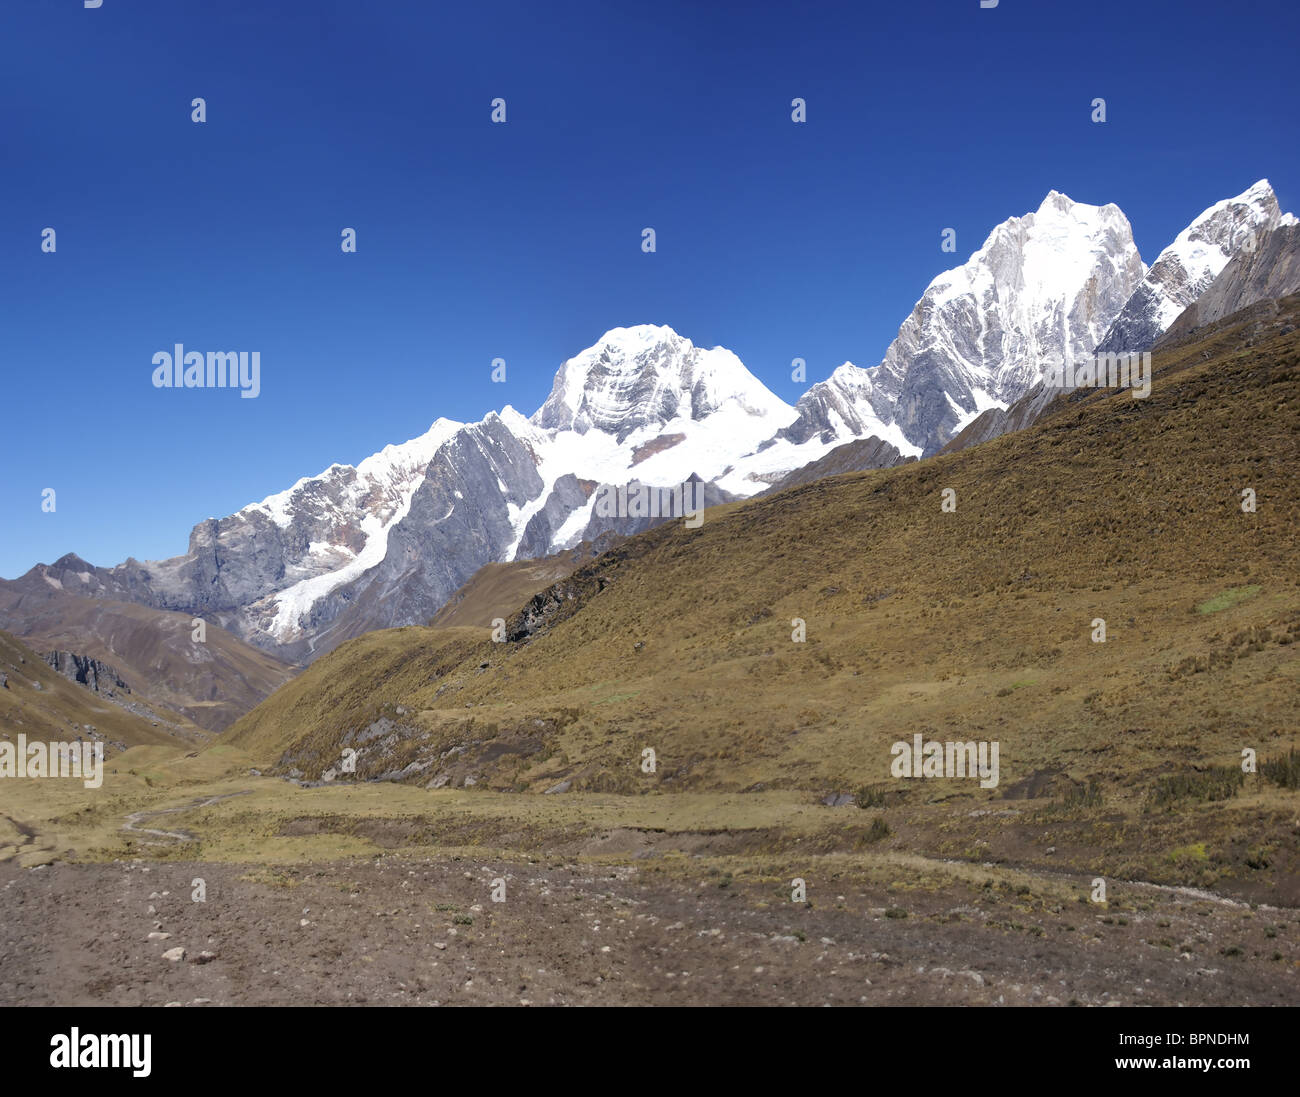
(648, 374)
(1042, 286)
(1185, 269)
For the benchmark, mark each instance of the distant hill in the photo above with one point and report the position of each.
(857, 456)
(210, 684)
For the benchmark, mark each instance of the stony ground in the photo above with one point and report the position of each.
(400, 930)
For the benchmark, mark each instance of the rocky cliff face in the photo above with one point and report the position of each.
(91, 673)
(860, 455)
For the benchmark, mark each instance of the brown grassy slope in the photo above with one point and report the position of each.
(61, 710)
(967, 625)
(495, 591)
(212, 684)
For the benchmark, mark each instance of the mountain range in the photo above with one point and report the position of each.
(389, 541)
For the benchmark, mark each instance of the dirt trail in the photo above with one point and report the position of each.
(176, 835)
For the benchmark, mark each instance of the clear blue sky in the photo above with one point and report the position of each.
(522, 241)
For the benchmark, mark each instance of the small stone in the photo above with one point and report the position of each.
(156, 936)
(174, 955)
(204, 957)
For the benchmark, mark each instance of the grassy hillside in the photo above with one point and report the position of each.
(971, 625)
(43, 705)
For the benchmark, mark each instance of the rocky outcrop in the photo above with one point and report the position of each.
(91, 673)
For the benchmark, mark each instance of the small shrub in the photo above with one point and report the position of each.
(870, 796)
(1284, 770)
(1085, 796)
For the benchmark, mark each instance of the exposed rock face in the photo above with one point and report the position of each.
(1023, 413)
(567, 495)
(212, 680)
(673, 503)
(91, 673)
(1268, 272)
(459, 519)
(1185, 269)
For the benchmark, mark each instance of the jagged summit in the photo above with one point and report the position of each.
(637, 376)
(1041, 288)
(1185, 269)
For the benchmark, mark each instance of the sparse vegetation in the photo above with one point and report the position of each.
(1227, 599)
(1215, 783)
(1080, 797)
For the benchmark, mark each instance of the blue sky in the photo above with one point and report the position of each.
(523, 241)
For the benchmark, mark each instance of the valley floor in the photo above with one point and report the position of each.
(383, 894)
(425, 932)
